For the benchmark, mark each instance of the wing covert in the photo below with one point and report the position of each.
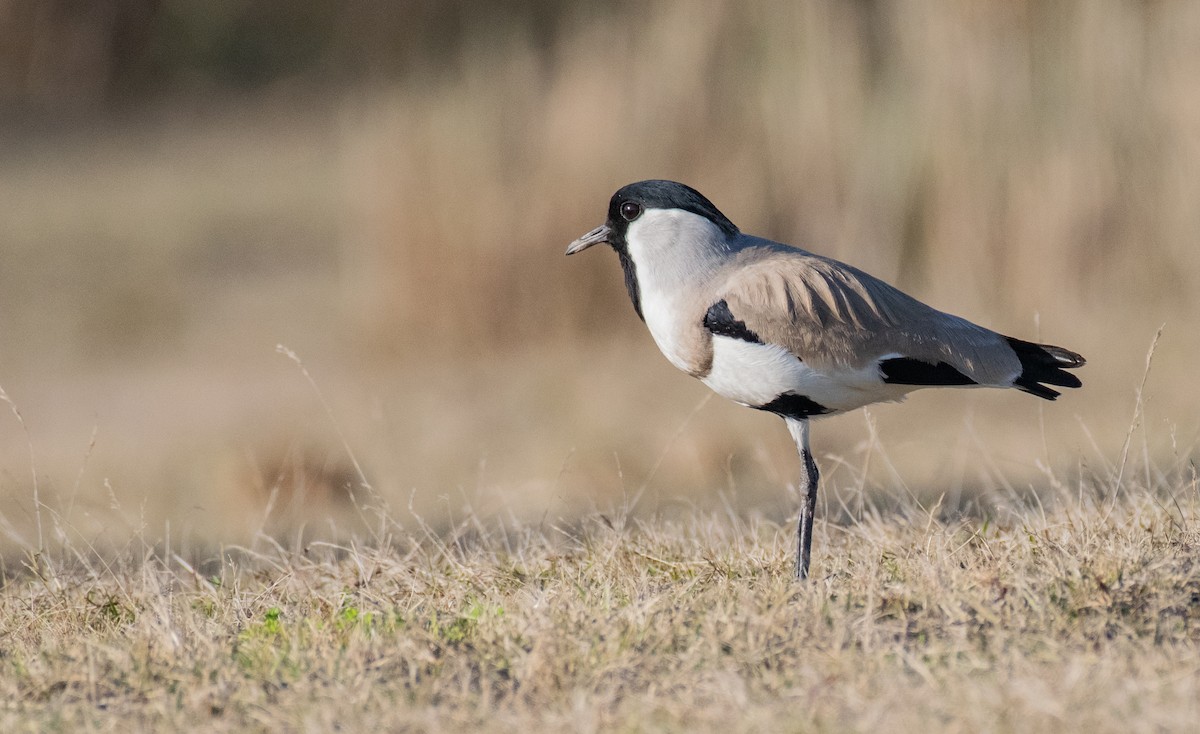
(833, 316)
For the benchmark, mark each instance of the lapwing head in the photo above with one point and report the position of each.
(631, 204)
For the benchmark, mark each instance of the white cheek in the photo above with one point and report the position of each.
(649, 239)
(672, 248)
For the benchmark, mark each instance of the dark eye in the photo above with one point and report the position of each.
(631, 210)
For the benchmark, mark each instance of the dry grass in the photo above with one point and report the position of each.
(1076, 614)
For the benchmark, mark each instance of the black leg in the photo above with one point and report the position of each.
(808, 508)
(809, 476)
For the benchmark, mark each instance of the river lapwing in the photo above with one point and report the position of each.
(779, 329)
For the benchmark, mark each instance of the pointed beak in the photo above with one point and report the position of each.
(595, 237)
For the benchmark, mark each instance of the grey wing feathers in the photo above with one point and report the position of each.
(834, 316)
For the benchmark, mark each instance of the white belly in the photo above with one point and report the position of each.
(755, 374)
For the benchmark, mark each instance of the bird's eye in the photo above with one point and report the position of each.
(631, 210)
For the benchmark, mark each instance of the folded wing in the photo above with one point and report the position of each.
(837, 318)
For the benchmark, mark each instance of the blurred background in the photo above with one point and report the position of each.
(387, 188)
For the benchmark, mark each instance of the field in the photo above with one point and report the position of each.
(1074, 615)
(305, 420)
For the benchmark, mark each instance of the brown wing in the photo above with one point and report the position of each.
(834, 316)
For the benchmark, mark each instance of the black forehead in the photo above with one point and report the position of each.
(659, 194)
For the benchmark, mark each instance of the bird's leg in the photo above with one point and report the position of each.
(808, 508)
(808, 494)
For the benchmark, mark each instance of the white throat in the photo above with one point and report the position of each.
(675, 253)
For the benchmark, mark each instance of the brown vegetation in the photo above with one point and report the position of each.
(1078, 615)
(392, 205)
(1031, 168)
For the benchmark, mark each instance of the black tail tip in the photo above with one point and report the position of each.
(1045, 363)
(1036, 388)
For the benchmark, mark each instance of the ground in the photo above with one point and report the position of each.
(1077, 614)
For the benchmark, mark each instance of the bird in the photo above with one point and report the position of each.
(786, 331)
